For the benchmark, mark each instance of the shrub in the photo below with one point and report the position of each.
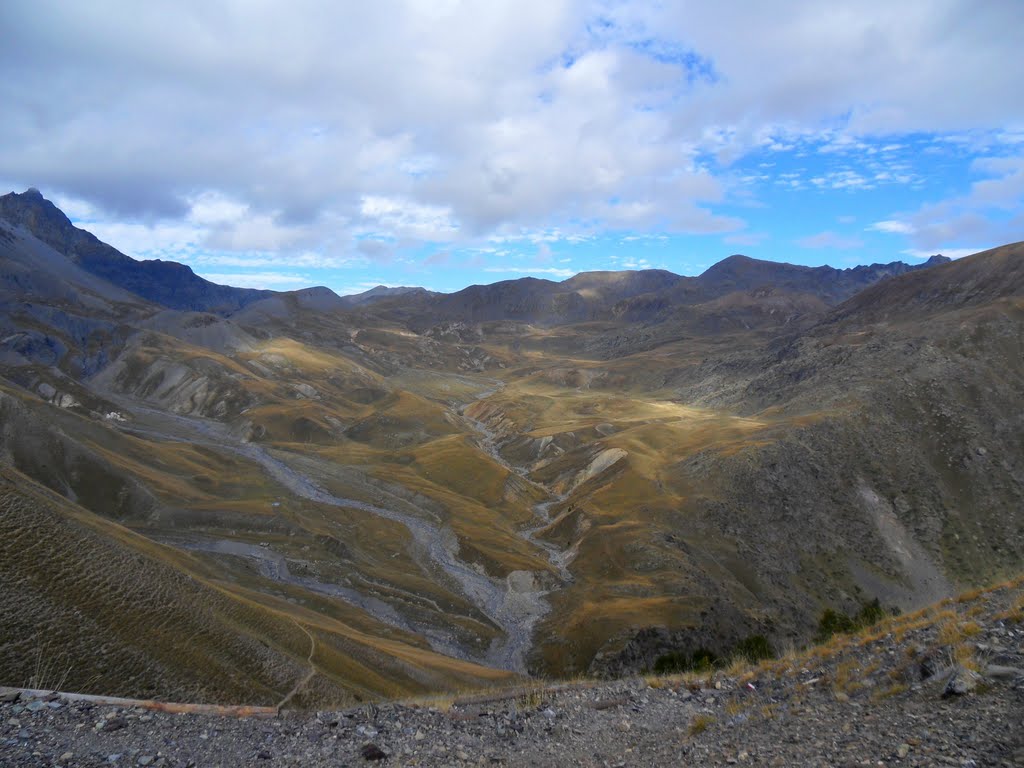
(667, 663)
(870, 613)
(755, 648)
(833, 622)
(701, 660)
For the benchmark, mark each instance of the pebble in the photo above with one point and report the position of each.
(373, 752)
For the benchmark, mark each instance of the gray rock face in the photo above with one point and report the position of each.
(961, 682)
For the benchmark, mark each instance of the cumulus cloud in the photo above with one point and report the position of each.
(357, 130)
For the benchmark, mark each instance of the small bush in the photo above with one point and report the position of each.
(701, 660)
(833, 622)
(870, 613)
(755, 648)
(669, 663)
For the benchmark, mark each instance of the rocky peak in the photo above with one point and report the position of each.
(167, 283)
(41, 217)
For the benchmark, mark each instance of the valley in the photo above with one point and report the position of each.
(327, 501)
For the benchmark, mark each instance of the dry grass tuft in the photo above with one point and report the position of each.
(699, 724)
(843, 676)
(970, 629)
(881, 694)
(734, 707)
(971, 595)
(964, 654)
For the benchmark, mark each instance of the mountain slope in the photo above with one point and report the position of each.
(131, 616)
(163, 282)
(530, 476)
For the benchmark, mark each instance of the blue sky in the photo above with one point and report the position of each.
(446, 143)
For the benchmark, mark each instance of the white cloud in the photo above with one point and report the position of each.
(992, 210)
(255, 128)
(842, 179)
(406, 218)
(892, 227)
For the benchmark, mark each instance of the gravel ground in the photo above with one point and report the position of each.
(943, 688)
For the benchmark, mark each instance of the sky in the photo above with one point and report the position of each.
(444, 143)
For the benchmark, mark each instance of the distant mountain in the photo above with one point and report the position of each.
(652, 295)
(167, 283)
(741, 273)
(385, 292)
(743, 292)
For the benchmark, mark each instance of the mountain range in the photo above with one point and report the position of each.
(221, 494)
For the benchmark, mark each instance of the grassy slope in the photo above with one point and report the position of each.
(111, 611)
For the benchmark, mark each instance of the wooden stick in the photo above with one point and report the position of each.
(221, 710)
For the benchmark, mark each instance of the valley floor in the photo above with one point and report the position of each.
(944, 686)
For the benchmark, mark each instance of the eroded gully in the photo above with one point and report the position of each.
(513, 604)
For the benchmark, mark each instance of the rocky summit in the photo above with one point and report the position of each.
(942, 686)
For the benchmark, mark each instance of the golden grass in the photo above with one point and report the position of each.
(970, 629)
(881, 694)
(844, 676)
(699, 724)
(735, 707)
(950, 632)
(220, 621)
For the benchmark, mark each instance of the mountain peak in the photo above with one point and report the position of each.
(168, 283)
(735, 265)
(41, 217)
